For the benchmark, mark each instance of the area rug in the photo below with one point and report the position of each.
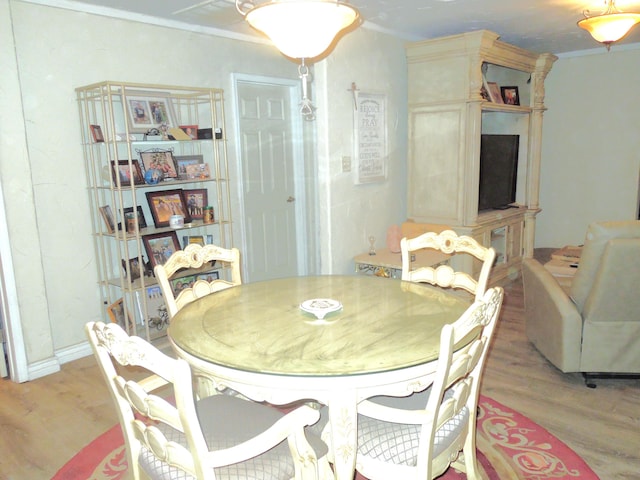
(510, 447)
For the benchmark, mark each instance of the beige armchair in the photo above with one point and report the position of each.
(592, 327)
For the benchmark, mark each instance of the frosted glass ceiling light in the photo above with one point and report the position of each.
(610, 26)
(300, 29)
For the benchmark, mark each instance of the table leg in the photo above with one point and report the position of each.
(343, 421)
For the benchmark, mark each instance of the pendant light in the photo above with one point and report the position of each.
(611, 25)
(300, 29)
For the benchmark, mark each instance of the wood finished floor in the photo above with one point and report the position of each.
(46, 421)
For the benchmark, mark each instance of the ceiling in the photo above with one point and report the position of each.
(537, 25)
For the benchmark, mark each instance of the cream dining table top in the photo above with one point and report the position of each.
(256, 339)
(383, 325)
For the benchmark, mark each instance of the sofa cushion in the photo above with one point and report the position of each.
(598, 234)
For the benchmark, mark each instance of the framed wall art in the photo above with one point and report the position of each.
(145, 112)
(165, 203)
(197, 199)
(370, 128)
(160, 246)
(127, 175)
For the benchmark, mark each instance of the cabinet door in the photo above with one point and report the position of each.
(436, 170)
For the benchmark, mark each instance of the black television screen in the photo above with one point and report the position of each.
(498, 171)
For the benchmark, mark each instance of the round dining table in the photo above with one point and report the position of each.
(332, 339)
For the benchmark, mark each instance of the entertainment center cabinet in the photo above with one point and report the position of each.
(450, 109)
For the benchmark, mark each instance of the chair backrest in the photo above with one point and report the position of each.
(195, 256)
(241, 438)
(590, 272)
(135, 403)
(457, 382)
(446, 411)
(444, 276)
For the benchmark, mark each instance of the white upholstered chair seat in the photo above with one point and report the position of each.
(226, 422)
(397, 442)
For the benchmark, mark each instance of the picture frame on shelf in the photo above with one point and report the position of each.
(494, 92)
(209, 276)
(182, 161)
(191, 130)
(199, 239)
(118, 314)
(160, 246)
(180, 283)
(132, 268)
(96, 133)
(127, 175)
(145, 112)
(163, 160)
(197, 171)
(156, 308)
(142, 222)
(197, 199)
(164, 203)
(510, 95)
(107, 216)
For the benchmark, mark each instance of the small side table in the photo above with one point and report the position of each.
(387, 264)
(564, 264)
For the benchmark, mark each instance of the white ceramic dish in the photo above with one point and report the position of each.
(320, 306)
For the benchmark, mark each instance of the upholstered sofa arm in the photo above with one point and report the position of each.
(553, 323)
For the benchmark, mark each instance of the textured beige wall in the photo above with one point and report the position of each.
(590, 144)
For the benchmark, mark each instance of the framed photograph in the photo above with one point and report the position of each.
(199, 239)
(200, 170)
(160, 246)
(209, 277)
(156, 309)
(132, 268)
(191, 130)
(197, 199)
(147, 112)
(107, 216)
(494, 92)
(162, 160)
(127, 175)
(165, 203)
(142, 222)
(118, 314)
(510, 95)
(96, 133)
(183, 161)
(179, 284)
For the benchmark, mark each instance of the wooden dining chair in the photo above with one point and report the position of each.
(418, 436)
(195, 256)
(444, 275)
(219, 437)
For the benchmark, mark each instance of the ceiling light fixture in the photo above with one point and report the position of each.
(611, 25)
(300, 29)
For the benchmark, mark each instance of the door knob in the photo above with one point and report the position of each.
(291, 199)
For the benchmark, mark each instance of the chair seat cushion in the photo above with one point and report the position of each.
(227, 421)
(398, 443)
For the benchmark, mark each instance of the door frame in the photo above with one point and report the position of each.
(9, 307)
(298, 163)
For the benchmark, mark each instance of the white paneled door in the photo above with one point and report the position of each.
(270, 164)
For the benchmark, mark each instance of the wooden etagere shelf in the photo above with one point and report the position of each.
(122, 126)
